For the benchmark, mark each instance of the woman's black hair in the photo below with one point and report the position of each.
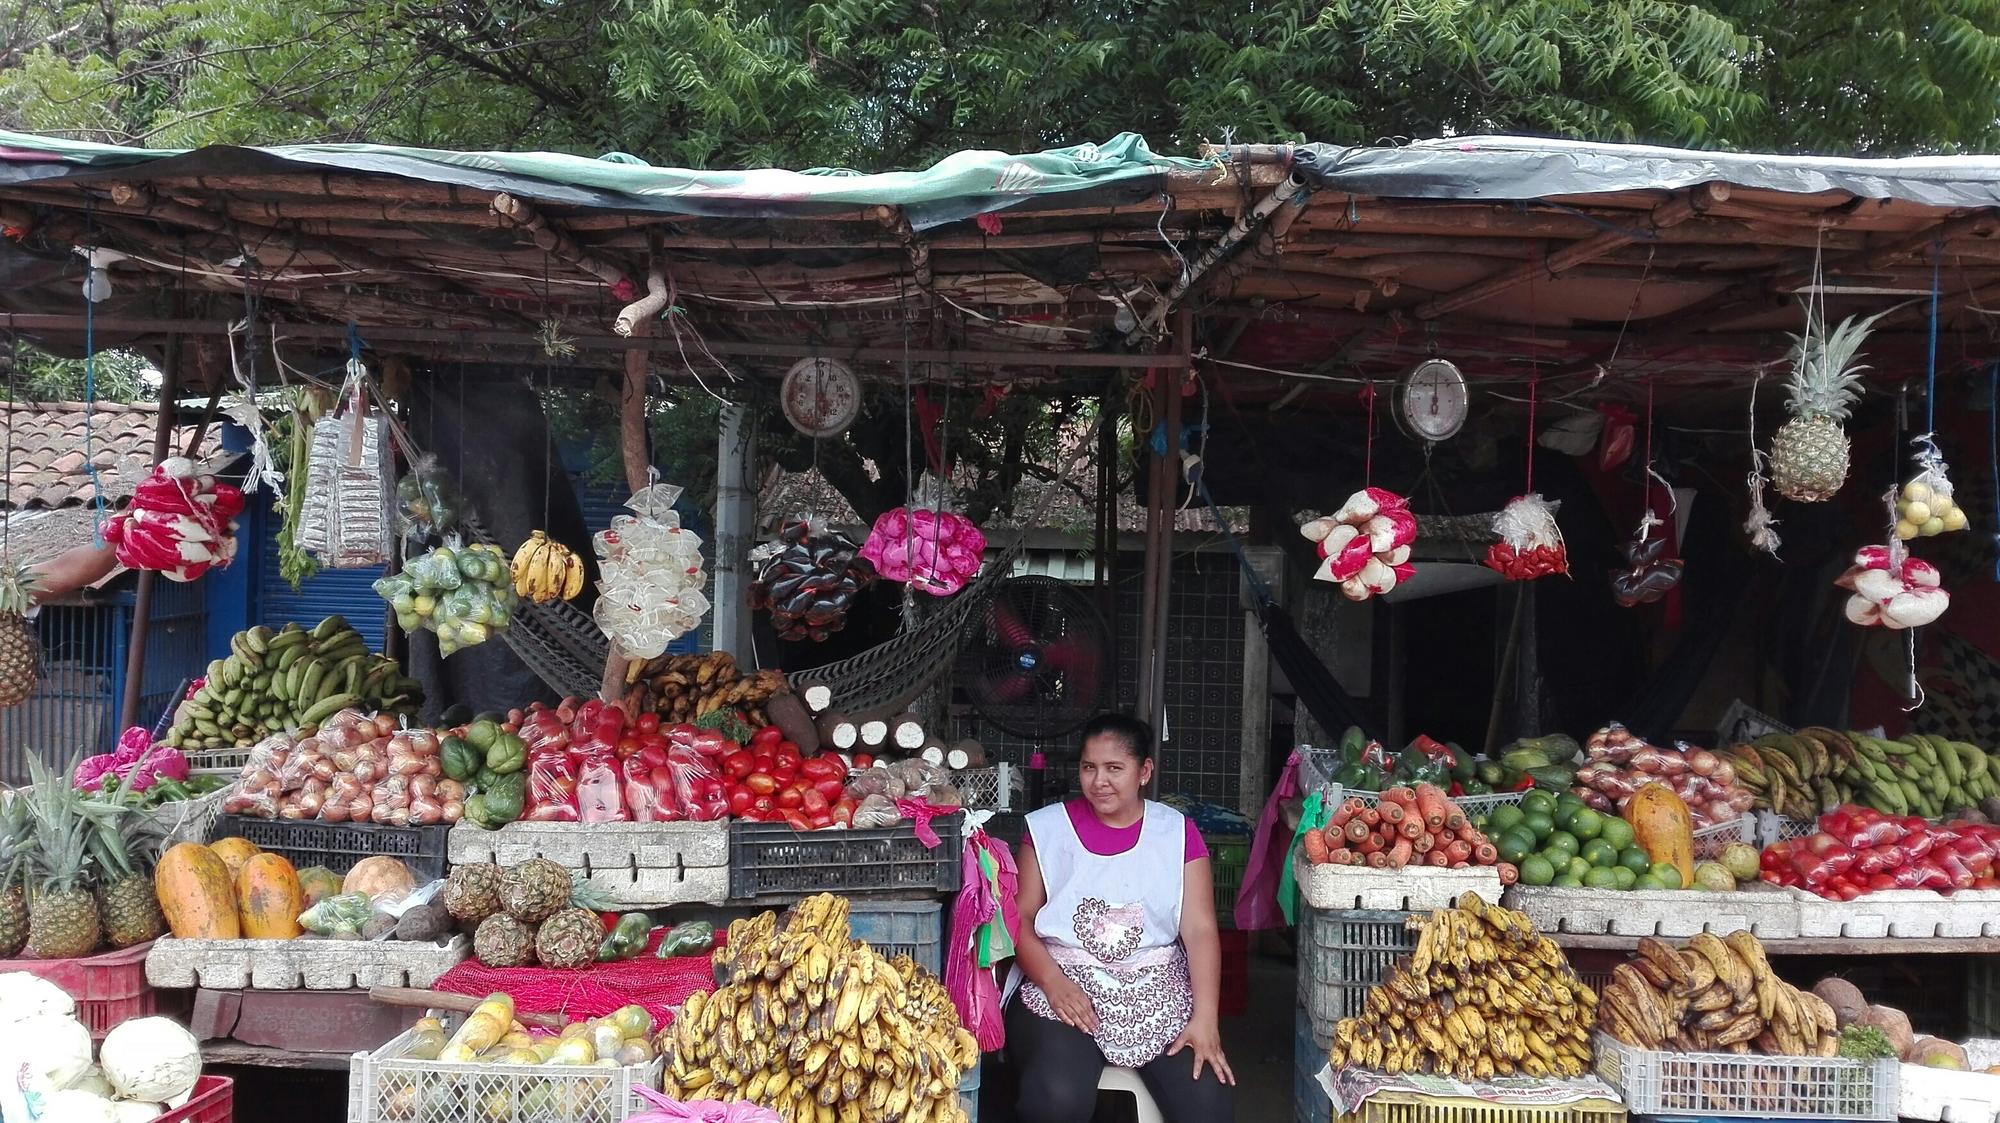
(1135, 735)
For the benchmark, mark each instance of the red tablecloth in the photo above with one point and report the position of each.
(594, 991)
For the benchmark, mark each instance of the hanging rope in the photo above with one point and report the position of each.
(90, 394)
(1930, 366)
(1534, 385)
(1368, 453)
(1760, 526)
(1993, 452)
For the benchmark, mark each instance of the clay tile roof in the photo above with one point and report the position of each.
(49, 440)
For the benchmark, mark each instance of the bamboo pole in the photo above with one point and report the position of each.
(558, 242)
(638, 474)
(142, 594)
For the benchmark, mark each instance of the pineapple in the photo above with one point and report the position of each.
(1809, 454)
(128, 909)
(569, 939)
(62, 915)
(502, 941)
(472, 892)
(535, 890)
(20, 651)
(15, 834)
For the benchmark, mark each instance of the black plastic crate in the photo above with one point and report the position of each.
(340, 846)
(773, 860)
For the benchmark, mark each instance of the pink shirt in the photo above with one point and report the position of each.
(1108, 841)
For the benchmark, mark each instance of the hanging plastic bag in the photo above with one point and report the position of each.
(1925, 507)
(427, 503)
(666, 1110)
(179, 524)
(1312, 818)
(344, 518)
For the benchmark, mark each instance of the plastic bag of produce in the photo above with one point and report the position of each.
(427, 503)
(666, 1110)
(876, 811)
(600, 797)
(338, 915)
(551, 795)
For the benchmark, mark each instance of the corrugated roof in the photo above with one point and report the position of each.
(55, 443)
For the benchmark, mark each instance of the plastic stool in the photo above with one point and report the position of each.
(1117, 1079)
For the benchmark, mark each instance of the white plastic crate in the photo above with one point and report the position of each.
(1411, 889)
(996, 788)
(389, 1086)
(1766, 911)
(1343, 953)
(637, 865)
(1725, 1084)
(302, 964)
(1903, 913)
(1710, 840)
(1773, 827)
(1939, 1094)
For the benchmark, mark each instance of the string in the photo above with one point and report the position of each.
(1993, 451)
(548, 402)
(1532, 387)
(90, 403)
(1368, 456)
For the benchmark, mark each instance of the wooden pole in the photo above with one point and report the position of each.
(1155, 598)
(142, 595)
(632, 450)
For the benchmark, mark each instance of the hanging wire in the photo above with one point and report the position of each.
(1532, 387)
(1930, 370)
(548, 403)
(7, 465)
(90, 386)
(1993, 452)
(1368, 454)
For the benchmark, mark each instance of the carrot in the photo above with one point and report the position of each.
(1356, 830)
(1459, 851)
(1378, 860)
(1509, 874)
(1438, 858)
(1399, 854)
(1369, 844)
(1371, 816)
(1411, 828)
(1454, 818)
(1338, 820)
(1485, 854)
(1316, 848)
(1431, 803)
(1391, 812)
(1401, 796)
(1352, 807)
(1423, 842)
(1470, 835)
(1459, 865)
(1340, 856)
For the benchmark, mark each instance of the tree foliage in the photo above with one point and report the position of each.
(895, 83)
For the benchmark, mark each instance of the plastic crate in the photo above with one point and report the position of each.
(1710, 840)
(1726, 1084)
(389, 1086)
(915, 928)
(968, 1094)
(1309, 1102)
(1773, 827)
(340, 846)
(1415, 1107)
(1228, 859)
(218, 762)
(1234, 997)
(1342, 954)
(773, 860)
(213, 1101)
(186, 820)
(107, 988)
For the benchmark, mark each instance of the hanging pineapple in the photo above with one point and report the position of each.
(1809, 455)
(20, 651)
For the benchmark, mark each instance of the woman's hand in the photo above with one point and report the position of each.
(1202, 1036)
(1071, 1005)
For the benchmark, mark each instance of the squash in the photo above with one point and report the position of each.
(194, 888)
(318, 883)
(1662, 826)
(268, 899)
(380, 876)
(234, 852)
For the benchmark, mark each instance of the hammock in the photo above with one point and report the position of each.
(557, 641)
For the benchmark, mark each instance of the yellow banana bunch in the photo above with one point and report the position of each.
(546, 570)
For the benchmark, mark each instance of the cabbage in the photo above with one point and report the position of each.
(153, 1059)
(49, 1049)
(73, 1106)
(25, 996)
(134, 1111)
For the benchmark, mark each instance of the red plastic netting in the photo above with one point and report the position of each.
(659, 985)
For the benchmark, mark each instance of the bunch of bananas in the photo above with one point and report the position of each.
(287, 679)
(1714, 995)
(1801, 774)
(545, 570)
(819, 1027)
(1794, 774)
(1482, 996)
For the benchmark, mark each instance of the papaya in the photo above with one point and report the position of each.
(234, 852)
(196, 893)
(1663, 828)
(268, 899)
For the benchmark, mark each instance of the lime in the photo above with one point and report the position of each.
(1599, 853)
(1564, 841)
(1647, 881)
(1567, 799)
(1535, 870)
(1538, 801)
(1667, 874)
(1616, 831)
(1600, 878)
(1504, 818)
(1566, 814)
(1568, 881)
(1635, 859)
(1577, 867)
(1625, 877)
(1515, 845)
(1587, 825)
(1539, 823)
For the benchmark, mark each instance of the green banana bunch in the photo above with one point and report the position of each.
(288, 679)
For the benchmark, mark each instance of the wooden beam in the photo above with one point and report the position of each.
(142, 593)
(1674, 211)
(558, 243)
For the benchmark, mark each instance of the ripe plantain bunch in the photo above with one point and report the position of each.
(1483, 995)
(687, 688)
(1714, 995)
(819, 1027)
(545, 570)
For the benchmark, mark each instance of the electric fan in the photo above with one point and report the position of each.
(1034, 658)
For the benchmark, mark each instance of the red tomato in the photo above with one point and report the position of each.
(788, 747)
(863, 760)
(843, 812)
(797, 821)
(814, 802)
(739, 800)
(763, 805)
(787, 756)
(767, 736)
(820, 768)
(648, 722)
(789, 798)
(763, 783)
(626, 746)
(820, 820)
(830, 790)
(738, 765)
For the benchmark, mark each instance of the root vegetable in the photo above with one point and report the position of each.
(1845, 998)
(838, 732)
(791, 715)
(874, 733)
(817, 696)
(906, 732)
(968, 754)
(933, 753)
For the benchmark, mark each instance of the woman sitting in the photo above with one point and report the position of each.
(1118, 945)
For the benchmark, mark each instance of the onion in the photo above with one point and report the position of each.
(1724, 774)
(1647, 760)
(1703, 762)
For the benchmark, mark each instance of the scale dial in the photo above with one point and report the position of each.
(821, 397)
(1434, 400)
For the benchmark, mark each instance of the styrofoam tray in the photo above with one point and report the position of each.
(1769, 912)
(1952, 1097)
(301, 964)
(1905, 913)
(637, 865)
(1412, 889)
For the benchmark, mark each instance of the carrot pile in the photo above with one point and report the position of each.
(1416, 826)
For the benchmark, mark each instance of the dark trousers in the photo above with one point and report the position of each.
(1059, 1067)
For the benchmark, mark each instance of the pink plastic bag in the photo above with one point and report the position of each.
(666, 1110)
(1257, 900)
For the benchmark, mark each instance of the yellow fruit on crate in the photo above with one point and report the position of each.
(546, 570)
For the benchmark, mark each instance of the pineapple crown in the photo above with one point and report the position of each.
(1826, 381)
(62, 831)
(584, 895)
(16, 837)
(17, 589)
